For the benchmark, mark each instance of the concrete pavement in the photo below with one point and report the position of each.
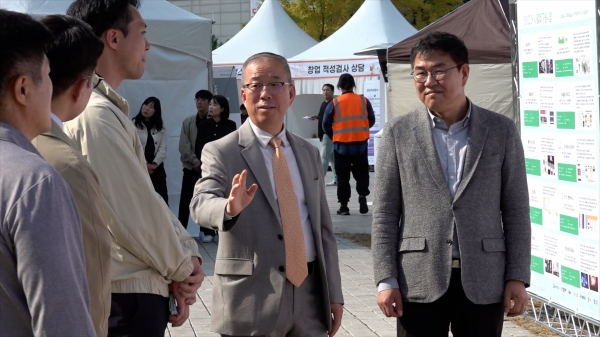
(361, 318)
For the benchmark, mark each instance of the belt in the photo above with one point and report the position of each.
(311, 266)
(455, 263)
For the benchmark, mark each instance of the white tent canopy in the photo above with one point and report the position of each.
(270, 30)
(375, 22)
(176, 66)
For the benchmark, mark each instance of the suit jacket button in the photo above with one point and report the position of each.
(449, 242)
(282, 269)
(280, 237)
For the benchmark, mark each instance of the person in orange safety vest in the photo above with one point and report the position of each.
(347, 121)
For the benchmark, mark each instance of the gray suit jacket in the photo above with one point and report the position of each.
(414, 213)
(248, 284)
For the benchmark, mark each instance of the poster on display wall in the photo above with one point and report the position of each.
(372, 92)
(558, 87)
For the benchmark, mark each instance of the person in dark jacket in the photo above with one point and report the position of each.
(210, 130)
(243, 113)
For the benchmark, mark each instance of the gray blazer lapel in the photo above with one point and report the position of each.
(425, 142)
(303, 159)
(254, 158)
(478, 131)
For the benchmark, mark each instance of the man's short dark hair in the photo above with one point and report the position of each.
(23, 45)
(103, 15)
(440, 42)
(346, 82)
(242, 107)
(74, 52)
(330, 86)
(266, 55)
(204, 94)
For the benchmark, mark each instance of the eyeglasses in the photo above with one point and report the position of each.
(421, 76)
(100, 79)
(273, 87)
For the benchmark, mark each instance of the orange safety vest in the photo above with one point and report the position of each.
(350, 119)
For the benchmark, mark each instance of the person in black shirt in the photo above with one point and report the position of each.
(210, 130)
(326, 143)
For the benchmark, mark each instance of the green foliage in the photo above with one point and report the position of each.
(215, 42)
(321, 18)
(421, 13)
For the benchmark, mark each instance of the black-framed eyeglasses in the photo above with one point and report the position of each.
(100, 79)
(421, 76)
(272, 87)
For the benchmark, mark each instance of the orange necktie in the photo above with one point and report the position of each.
(295, 253)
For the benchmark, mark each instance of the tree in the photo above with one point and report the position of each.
(321, 18)
(421, 13)
(215, 42)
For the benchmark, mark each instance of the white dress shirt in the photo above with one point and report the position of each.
(267, 151)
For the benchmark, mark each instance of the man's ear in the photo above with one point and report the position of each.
(292, 93)
(111, 38)
(465, 70)
(78, 88)
(21, 89)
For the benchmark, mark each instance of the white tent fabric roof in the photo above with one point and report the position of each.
(165, 17)
(176, 67)
(270, 30)
(375, 22)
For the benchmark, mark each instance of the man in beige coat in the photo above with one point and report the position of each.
(152, 253)
(73, 56)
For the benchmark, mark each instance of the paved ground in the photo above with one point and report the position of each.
(362, 317)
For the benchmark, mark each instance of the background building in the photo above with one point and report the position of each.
(229, 16)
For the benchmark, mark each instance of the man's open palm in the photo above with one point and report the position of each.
(240, 197)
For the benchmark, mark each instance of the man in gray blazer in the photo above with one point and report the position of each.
(451, 230)
(257, 288)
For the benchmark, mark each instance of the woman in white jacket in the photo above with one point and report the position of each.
(154, 143)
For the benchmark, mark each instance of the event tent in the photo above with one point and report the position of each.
(270, 30)
(176, 66)
(483, 26)
(375, 22)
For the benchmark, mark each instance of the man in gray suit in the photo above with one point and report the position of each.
(451, 230)
(268, 281)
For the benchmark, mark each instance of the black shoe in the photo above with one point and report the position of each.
(344, 210)
(362, 200)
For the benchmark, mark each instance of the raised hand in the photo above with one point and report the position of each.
(240, 197)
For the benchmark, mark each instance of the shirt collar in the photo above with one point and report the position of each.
(264, 137)
(435, 119)
(105, 90)
(56, 120)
